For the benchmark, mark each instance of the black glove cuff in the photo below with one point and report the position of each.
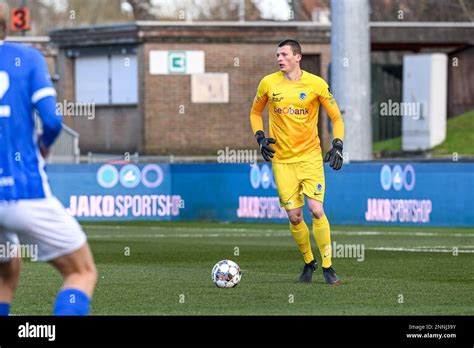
(338, 144)
(259, 135)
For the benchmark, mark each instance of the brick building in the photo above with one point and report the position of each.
(139, 109)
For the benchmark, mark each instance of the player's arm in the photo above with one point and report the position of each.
(43, 98)
(327, 100)
(256, 122)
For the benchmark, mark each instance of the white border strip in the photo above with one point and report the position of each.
(232, 24)
(28, 39)
(421, 24)
(392, 24)
(43, 93)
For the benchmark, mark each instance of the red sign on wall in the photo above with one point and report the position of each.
(20, 19)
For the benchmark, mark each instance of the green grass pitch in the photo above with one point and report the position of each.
(163, 268)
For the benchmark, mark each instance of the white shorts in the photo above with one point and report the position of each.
(41, 226)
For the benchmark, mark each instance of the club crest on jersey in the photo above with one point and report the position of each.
(303, 95)
(319, 189)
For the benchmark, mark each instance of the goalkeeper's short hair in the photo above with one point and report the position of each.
(295, 46)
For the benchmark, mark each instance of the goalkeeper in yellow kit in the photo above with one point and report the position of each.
(294, 97)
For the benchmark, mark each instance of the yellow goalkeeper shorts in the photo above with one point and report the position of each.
(299, 179)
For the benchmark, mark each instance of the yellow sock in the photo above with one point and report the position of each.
(300, 234)
(322, 234)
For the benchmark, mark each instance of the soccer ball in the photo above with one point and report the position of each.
(226, 274)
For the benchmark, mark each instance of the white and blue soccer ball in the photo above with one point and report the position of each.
(226, 274)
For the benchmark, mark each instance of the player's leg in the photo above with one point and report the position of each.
(322, 235)
(289, 192)
(321, 231)
(44, 223)
(300, 232)
(78, 270)
(9, 277)
(80, 276)
(313, 183)
(9, 272)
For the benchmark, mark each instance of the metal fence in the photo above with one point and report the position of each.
(93, 157)
(66, 148)
(386, 87)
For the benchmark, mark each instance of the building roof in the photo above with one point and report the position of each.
(384, 35)
(205, 32)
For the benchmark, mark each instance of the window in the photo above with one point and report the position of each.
(92, 80)
(124, 79)
(106, 79)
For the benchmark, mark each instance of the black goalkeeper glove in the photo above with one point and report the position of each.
(265, 148)
(334, 156)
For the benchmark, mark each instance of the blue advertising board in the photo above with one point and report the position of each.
(431, 194)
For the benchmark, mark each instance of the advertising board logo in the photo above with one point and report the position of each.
(152, 175)
(255, 176)
(261, 176)
(107, 176)
(397, 178)
(130, 176)
(266, 176)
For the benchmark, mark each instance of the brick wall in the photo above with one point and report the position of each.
(113, 130)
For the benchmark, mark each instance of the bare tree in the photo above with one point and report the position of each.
(395, 10)
(422, 10)
(46, 15)
(225, 10)
(82, 12)
(38, 9)
(303, 10)
(142, 9)
(203, 10)
(467, 9)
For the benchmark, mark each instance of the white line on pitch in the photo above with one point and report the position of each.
(423, 250)
(192, 235)
(272, 232)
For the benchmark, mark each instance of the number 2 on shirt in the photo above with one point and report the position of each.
(4, 85)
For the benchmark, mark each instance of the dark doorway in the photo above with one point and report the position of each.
(311, 63)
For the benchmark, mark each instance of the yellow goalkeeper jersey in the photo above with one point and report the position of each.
(293, 108)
